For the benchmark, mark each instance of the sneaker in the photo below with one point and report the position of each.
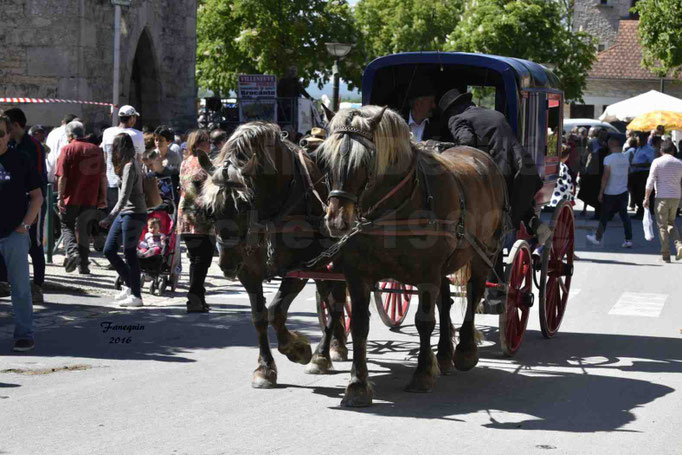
(678, 254)
(131, 301)
(592, 238)
(124, 294)
(23, 345)
(627, 244)
(37, 294)
(71, 263)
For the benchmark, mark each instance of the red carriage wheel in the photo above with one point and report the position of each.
(392, 302)
(519, 278)
(324, 315)
(557, 270)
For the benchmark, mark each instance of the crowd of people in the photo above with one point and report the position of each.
(644, 173)
(109, 186)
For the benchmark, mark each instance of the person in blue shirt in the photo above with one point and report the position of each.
(642, 158)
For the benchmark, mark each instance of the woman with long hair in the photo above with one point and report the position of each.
(196, 229)
(129, 217)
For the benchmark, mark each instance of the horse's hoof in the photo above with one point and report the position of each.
(298, 350)
(446, 365)
(264, 378)
(424, 379)
(319, 365)
(358, 395)
(465, 360)
(338, 352)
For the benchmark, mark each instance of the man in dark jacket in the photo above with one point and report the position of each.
(421, 109)
(488, 130)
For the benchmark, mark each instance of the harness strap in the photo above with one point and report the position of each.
(309, 179)
(390, 194)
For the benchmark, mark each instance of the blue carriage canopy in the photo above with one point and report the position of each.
(527, 93)
(388, 80)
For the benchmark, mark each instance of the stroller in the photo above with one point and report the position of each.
(161, 270)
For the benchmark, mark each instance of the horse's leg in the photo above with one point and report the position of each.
(338, 349)
(359, 392)
(466, 354)
(292, 344)
(265, 376)
(427, 372)
(321, 363)
(446, 347)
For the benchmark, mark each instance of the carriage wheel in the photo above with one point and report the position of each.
(324, 315)
(519, 278)
(557, 270)
(392, 306)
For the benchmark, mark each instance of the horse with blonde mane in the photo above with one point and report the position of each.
(412, 215)
(267, 223)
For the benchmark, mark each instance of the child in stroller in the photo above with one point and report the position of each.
(160, 236)
(154, 241)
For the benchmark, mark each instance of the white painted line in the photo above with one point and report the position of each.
(638, 304)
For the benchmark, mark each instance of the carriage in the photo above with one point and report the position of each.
(529, 96)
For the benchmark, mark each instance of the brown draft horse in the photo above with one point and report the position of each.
(267, 222)
(411, 215)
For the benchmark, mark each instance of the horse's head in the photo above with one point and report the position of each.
(230, 194)
(362, 145)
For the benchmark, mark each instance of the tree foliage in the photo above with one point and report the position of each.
(660, 33)
(390, 26)
(537, 30)
(268, 36)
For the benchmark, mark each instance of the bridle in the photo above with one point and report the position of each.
(366, 138)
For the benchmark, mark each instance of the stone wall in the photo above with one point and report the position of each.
(600, 20)
(64, 49)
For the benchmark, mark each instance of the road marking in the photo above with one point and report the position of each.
(637, 304)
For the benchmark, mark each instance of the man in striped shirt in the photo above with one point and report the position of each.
(666, 177)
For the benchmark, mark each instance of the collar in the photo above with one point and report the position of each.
(411, 121)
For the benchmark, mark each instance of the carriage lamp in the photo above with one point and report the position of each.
(338, 51)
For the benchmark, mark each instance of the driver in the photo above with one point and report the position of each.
(488, 130)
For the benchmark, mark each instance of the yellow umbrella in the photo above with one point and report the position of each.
(650, 120)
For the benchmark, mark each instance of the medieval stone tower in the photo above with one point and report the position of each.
(64, 49)
(601, 18)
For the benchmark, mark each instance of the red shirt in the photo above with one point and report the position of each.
(82, 165)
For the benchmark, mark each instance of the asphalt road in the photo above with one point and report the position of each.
(607, 383)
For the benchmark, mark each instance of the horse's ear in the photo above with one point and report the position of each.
(328, 113)
(375, 119)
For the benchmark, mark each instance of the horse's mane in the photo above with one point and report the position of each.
(250, 142)
(391, 137)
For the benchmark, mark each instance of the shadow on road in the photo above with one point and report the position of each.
(585, 391)
(165, 333)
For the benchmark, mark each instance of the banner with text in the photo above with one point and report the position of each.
(257, 97)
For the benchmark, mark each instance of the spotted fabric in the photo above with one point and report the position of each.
(565, 188)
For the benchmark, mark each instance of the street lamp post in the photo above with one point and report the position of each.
(338, 51)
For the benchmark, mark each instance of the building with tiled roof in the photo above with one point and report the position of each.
(618, 73)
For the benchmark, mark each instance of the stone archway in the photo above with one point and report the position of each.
(145, 85)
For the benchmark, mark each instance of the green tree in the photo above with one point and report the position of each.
(660, 33)
(390, 26)
(268, 36)
(537, 30)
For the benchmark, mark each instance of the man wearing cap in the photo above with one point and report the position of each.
(488, 130)
(127, 116)
(422, 104)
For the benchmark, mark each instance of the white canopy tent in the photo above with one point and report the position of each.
(627, 110)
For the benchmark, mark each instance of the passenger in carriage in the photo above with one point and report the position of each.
(419, 114)
(488, 130)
